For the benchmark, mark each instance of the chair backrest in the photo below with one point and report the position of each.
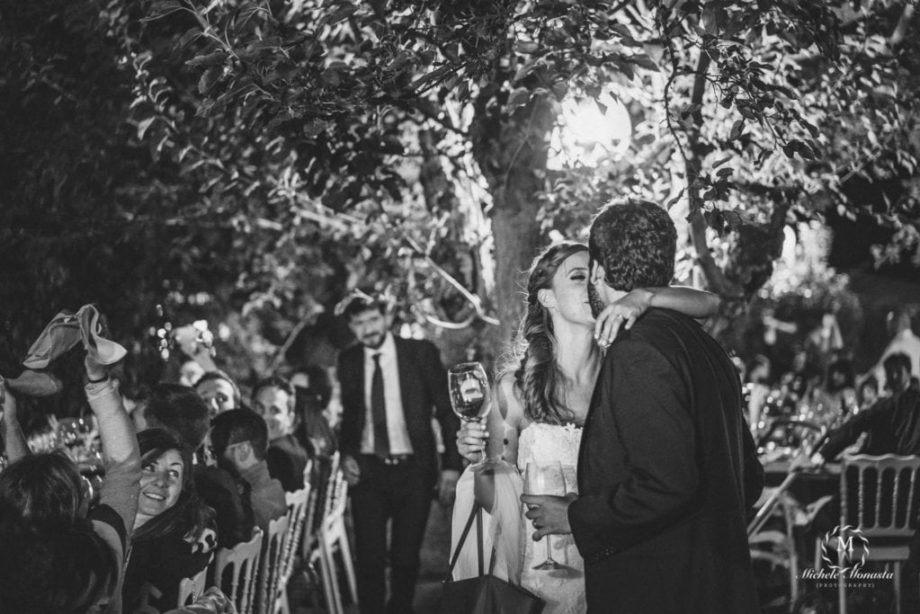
(879, 494)
(241, 564)
(191, 588)
(272, 549)
(329, 493)
(297, 512)
(336, 502)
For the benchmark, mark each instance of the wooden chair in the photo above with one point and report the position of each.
(332, 537)
(191, 588)
(879, 496)
(775, 543)
(270, 565)
(241, 563)
(297, 511)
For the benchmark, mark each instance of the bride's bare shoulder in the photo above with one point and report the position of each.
(510, 402)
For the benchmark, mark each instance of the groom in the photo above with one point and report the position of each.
(667, 468)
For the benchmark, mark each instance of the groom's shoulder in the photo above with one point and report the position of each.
(662, 329)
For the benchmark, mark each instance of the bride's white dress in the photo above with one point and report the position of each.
(516, 553)
(564, 592)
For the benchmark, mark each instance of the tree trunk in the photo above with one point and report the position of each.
(512, 150)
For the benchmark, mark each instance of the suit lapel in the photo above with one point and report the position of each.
(359, 381)
(405, 368)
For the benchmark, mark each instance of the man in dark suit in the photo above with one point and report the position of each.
(389, 456)
(667, 468)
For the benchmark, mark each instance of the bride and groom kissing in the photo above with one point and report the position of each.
(658, 463)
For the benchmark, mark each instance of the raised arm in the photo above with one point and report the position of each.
(14, 441)
(625, 311)
(119, 445)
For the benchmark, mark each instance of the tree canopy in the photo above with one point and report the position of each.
(242, 156)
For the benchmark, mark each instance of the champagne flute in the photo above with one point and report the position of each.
(469, 392)
(545, 479)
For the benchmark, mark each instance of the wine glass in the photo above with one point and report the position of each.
(69, 437)
(469, 392)
(545, 479)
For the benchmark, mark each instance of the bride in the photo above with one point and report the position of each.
(540, 402)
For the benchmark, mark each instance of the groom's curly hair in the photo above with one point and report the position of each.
(635, 241)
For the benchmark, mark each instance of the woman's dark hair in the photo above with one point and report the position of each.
(635, 241)
(273, 381)
(237, 426)
(55, 567)
(534, 363)
(179, 409)
(320, 384)
(869, 382)
(189, 515)
(844, 367)
(44, 488)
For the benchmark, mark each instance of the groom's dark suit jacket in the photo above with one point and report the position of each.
(667, 471)
(423, 386)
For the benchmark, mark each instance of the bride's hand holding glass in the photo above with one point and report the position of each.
(472, 440)
(470, 398)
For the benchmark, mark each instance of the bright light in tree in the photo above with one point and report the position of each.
(588, 132)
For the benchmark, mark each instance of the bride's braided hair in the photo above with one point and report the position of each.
(534, 364)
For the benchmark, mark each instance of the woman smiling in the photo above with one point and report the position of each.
(173, 531)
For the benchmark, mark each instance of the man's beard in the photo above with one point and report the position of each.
(597, 305)
(374, 340)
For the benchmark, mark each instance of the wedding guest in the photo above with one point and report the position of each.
(273, 399)
(219, 391)
(240, 441)
(867, 393)
(58, 554)
(897, 372)
(892, 424)
(903, 341)
(174, 532)
(391, 389)
(540, 403)
(312, 392)
(180, 410)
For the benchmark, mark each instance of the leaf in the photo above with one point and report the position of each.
(208, 59)
(736, 130)
(525, 70)
(143, 125)
(625, 68)
(518, 98)
(644, 61)
(722, 161)
(208, 79)
(526, 47)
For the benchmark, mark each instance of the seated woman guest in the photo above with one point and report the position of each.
(179, 409)
(173, 530)
(58, 555)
